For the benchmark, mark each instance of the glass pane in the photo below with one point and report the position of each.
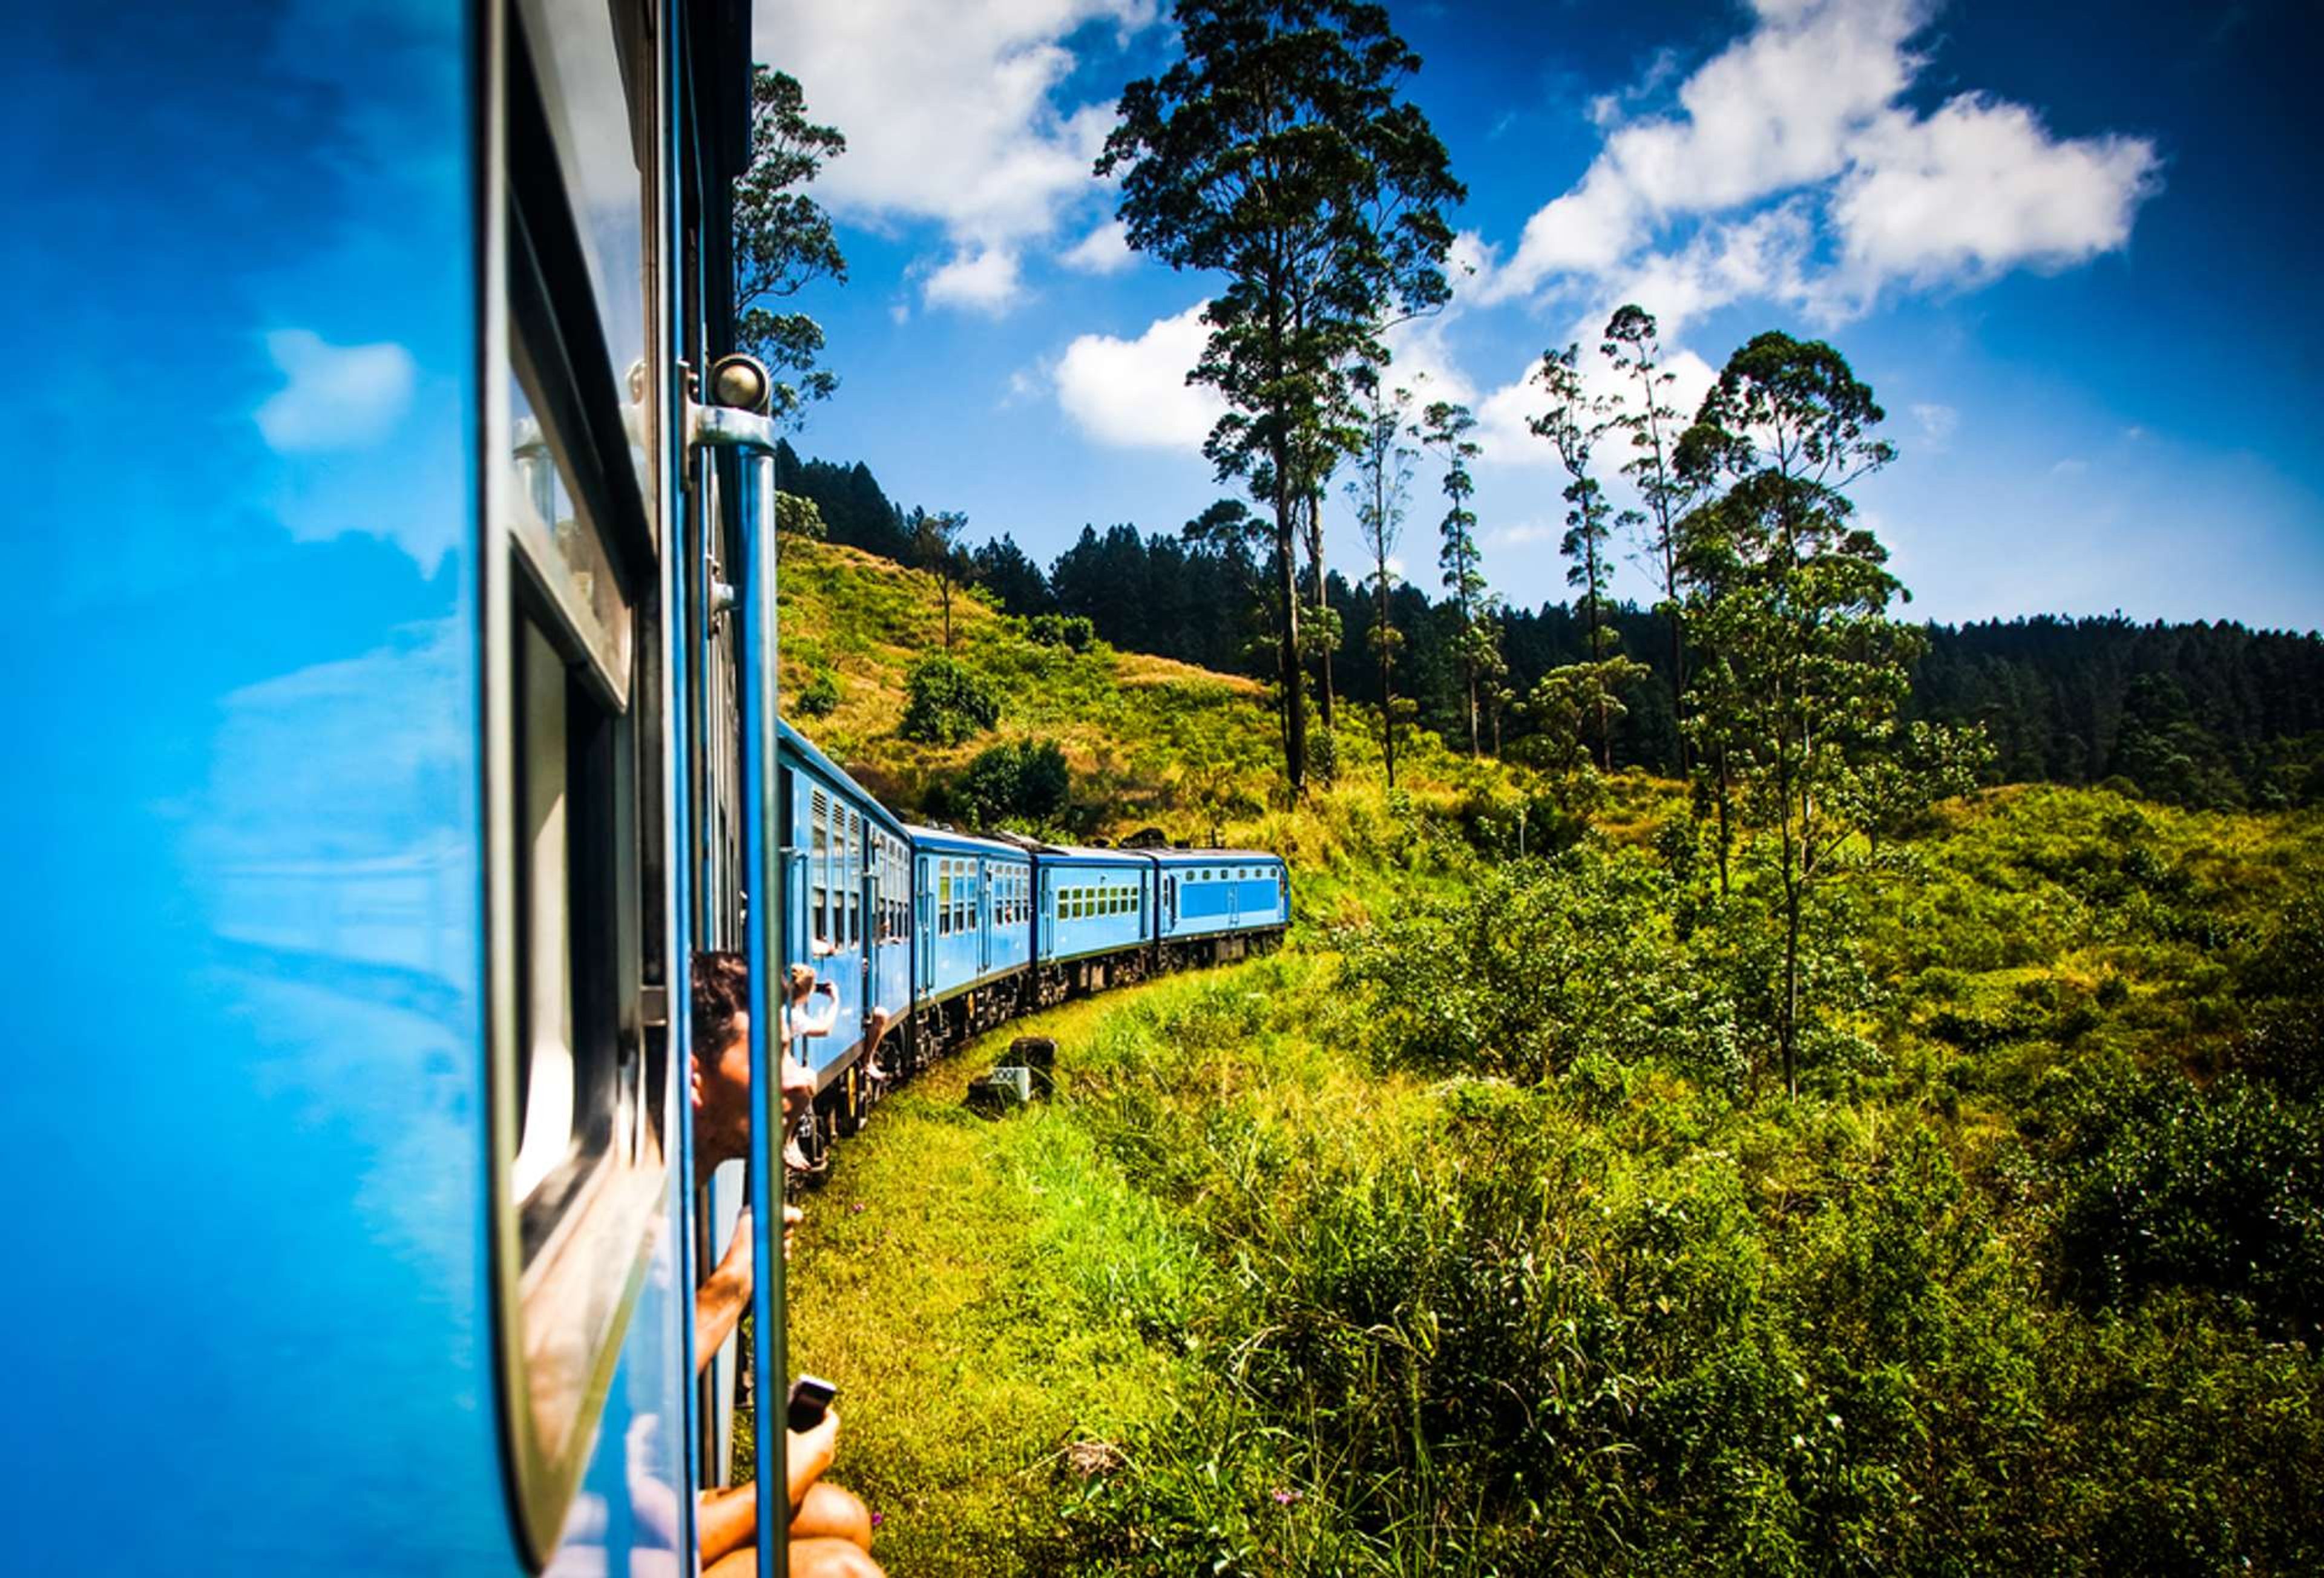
(560, 543)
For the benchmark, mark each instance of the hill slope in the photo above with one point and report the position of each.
(1469, 1235)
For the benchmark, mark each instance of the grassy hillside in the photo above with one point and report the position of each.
(1470, 1236)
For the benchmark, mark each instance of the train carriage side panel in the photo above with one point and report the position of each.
(973, 901)
(340, 817)
(838, 840)
(1093, 902)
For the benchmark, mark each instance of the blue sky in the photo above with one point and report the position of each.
(2066, 242)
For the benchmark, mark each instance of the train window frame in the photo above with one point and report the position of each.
(571, 898)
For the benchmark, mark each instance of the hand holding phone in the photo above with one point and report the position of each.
(810, 1396)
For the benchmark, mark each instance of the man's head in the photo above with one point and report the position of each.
(720, 1064)
(722, 1059)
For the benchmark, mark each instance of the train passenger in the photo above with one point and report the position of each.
(831, 1528)
(800, 1023)
(722, 1131)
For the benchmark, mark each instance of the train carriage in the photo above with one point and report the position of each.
(1218, 898)
(848, 862)
(1094, 913)
(973, 932)
(361, 855)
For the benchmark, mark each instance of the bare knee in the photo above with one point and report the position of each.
(830, 1558)
(829, 1512)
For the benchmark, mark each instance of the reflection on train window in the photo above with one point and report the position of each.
(579, 1079)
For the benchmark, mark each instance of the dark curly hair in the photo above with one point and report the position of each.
(722, 994)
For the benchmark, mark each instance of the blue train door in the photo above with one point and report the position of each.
(924, 949)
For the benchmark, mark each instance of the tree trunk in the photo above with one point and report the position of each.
(1678, 679)
(1468, 667)
(1322, 624)
(1295, 701)
(1726, 838)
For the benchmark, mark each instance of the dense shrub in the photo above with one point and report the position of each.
(1025, 783)
(945, 704)
(2168, 1185)
(1072, 631)
(819, 697)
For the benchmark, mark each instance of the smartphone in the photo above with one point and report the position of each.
(810, 1396)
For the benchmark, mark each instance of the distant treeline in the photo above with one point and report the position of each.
(2198, 714)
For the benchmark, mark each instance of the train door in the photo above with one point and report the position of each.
(924, 949)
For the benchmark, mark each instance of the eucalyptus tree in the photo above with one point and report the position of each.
(1277, 151)
(1573, 423)
(1633, 344)
(1381, 491)
(936, 548)
(783, 241)
(1787, 599)
(1444, 431)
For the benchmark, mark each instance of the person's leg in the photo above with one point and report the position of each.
(828, 1512)
(726, 1519)
(831, 1558)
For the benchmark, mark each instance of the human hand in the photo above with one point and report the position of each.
(792, 1217)
(808, 1453)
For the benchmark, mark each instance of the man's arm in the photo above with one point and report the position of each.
(830, 1014)
(719, 1302)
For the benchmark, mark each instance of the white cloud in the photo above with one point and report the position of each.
(335, 396)
(1104, 250)
(982, 280)
(950, 111)
(1804, 110)
(2071, 466)
(1937, 422)
(1979, 188)
(1134, 393)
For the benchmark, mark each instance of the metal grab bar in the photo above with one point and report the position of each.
(742, 426)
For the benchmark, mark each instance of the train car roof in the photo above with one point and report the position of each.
(945, 838)
(1209, 856)
(1086, 852)
(793, 740)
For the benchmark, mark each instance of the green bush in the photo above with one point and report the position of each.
(945, 704)
(1071, 631)
(2168, 1185)
(1024, 783)
(819, 697)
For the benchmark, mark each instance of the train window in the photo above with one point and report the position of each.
(577, 1074)
(602, 144)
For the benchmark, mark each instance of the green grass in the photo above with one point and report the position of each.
(985, 1290)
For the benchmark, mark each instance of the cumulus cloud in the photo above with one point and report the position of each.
(1804, 111)
(982, 280)
(1134, 392)
(334, 397)
(959, 123)
(1104, 250)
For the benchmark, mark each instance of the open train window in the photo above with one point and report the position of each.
(578, 1076)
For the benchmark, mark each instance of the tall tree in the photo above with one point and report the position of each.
(1633, 343)
(1443, 430)
(1380, 490)
(1788, 602)
(1573, 423)
(936, 548)
(783, 241)
(1276, 152)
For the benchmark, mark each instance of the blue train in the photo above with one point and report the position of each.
(943, 934)
(393, 718)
